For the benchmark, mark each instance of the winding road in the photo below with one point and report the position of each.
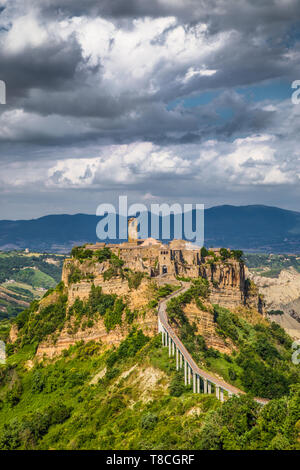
(202, 380)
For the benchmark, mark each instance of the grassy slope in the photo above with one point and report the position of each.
(58, 408)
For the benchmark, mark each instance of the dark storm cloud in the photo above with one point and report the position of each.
(55, 79)
(245, 15)
(47, 67)
(81, 90)
(193, 9)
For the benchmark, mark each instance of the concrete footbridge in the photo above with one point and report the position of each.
(203, 382)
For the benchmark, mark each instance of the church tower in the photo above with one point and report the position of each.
(132, 230)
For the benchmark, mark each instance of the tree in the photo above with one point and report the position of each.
(224, 253)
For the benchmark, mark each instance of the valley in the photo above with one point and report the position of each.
(24, 277)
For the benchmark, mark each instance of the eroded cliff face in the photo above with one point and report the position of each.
(228, 288)
(206, 327)
(282, 293)
(229, 283)
(136, 299)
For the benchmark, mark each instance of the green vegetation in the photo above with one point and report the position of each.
(161, 292)
(134, 279)
(270, 265)
(225, 255)
(131, 396)
(235, 254)
(13, 262)
(36, 324)
(115, 269)
(263, 365)
(275, 312)
(54, 406)
(199, 288)
(74, 275)
(24, 277)
(204, 252)
(113, 315)
(264, 355)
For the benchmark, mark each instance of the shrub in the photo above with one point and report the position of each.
(232, 374)
(224, 253)
(177, 387)
(128, 347)
(37, 382)
(112, 373)
(99, 302)
(74, 275)
(149, 421)
(103, 255)
(134, 279)
(48, 320)
(113, 315)
(81, 253)
(13, 396)
(213, 353)
(237, 255)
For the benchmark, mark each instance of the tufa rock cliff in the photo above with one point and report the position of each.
(139, 291)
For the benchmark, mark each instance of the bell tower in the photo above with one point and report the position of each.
(132, 230)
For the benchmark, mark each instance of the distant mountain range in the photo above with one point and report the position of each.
(251, 228)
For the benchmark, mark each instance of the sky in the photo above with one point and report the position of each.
(184, 101)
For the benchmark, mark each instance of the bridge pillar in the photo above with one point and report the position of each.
(189, 374)
(169, 339)
(185, 372)
(218, 392)
(173, 348)
(180, 362)
(221, 394)
(208, 387)
(204, 385)
(198, 383)
(194, 381)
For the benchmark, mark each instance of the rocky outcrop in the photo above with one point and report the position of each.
(229, 285)
(281, 290)
(228, 288)
(136, 299)
(13, 334)
(282, 293)
(204, 321)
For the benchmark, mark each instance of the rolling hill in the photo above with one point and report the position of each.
(25, 277)
(252, 228)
